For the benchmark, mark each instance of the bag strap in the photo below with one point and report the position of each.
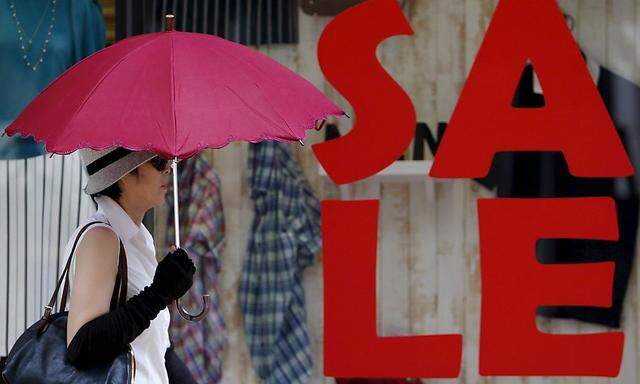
(118, 297)
(120, 288)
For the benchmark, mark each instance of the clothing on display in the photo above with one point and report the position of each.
(200, 344)
(41, 204)
(378, 381)
(285, 236)
(39, 41)
(545, 174)
(42, 195)
(331, 132)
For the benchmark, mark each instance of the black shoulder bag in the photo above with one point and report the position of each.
(38, 356)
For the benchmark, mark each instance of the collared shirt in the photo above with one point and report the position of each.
(285, 236)
(150, 346)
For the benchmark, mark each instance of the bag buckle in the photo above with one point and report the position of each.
(43, 324)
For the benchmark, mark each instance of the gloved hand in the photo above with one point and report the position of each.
(174, 275)
(101, 339)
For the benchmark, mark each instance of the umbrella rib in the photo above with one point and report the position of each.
(254, 110)
(256, 68)
(266, 77)
(103, 78)
(277, 113)
(230, 54)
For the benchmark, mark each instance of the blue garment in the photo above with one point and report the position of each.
(285, 236)
(78, 31)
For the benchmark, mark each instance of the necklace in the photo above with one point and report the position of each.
(26, 51)
(21, 31)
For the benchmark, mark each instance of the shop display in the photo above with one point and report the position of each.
(545, 174)
(40, 40)
(200, 344)
(284, 239)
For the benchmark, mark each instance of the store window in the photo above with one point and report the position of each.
(249, 22)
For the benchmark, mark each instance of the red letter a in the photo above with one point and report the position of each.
(574, 119)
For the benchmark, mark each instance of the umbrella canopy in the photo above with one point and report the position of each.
(175, 94)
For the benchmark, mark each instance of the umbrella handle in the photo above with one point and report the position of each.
(187, 316)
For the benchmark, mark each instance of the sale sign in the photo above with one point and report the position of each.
(573, 121)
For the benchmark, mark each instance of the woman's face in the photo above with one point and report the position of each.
(149, 185)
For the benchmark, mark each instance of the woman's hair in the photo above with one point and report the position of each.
(113, 191)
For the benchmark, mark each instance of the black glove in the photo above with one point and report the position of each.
(174, 275)
(103, 338)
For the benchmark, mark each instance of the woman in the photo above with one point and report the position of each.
(125, 185)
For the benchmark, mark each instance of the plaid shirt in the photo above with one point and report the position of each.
(200, 345)
(284, 239)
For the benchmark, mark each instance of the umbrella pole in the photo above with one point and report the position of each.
(176, 222)
(176, 219)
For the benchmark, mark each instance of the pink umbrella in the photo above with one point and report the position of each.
(175, 94)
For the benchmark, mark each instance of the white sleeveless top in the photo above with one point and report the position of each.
(150, 346)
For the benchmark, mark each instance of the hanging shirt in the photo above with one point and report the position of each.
(285, 236)
(151, 345)
(77, 31)
(378, 381)
(545, 174)
(201, 344)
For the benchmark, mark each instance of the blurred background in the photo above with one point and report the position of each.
(428, 252)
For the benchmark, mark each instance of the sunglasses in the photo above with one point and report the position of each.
(159, 163)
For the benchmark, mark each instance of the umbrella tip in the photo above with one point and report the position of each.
(170, 23)
(301, 142)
